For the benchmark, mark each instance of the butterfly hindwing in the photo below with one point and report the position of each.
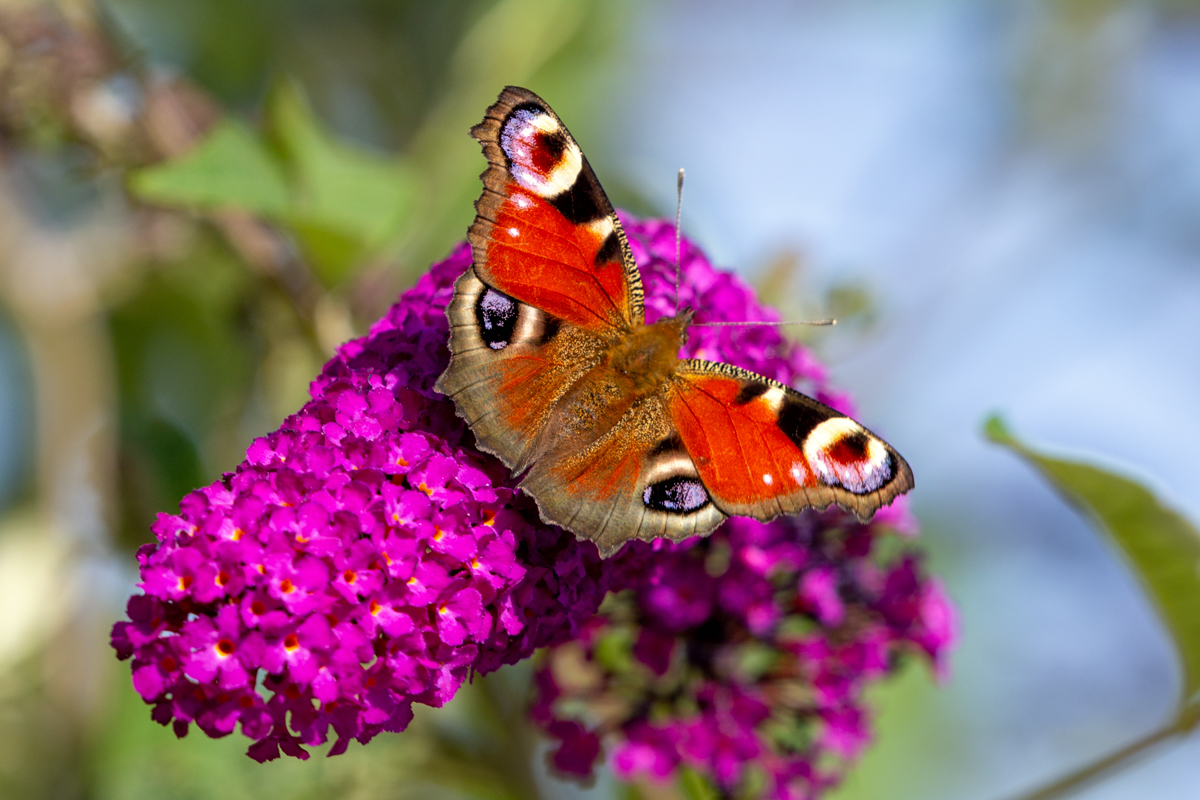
(545, 232)
(510, 365)
(763, 449)
(636, 481)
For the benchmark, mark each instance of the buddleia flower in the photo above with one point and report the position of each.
(367, 556)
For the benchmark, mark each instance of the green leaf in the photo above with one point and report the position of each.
(347, 200)
(614, 650)
(1161, 546)
(229, 169)
(695, 786)
(331, 251)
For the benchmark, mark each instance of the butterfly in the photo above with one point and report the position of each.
(556, 372)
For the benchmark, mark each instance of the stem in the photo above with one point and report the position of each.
(1113, 762)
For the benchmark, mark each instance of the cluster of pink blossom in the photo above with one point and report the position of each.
(743, 656)
(363, 557)
(367, 556)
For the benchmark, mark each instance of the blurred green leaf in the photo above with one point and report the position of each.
(1161, 546)
(134, 758)
(172, 454)
(614, 650)
(229, 169)
(557, 48)
(185, 358)
(917, 733)
(346, 201)
(695, 786)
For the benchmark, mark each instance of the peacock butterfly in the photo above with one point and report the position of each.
(555, 370)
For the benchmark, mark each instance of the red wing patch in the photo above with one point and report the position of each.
(743, 457)
(535, 255)
(546, 233)
(762, 449)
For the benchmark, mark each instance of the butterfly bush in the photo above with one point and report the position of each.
(367, 556)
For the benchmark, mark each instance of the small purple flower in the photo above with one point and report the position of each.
(677, 593)
(646, 749)
(819, 594)
(577, 750)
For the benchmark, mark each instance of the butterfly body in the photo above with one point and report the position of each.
(556, 371)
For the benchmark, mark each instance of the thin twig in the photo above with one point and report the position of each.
(1114, 762)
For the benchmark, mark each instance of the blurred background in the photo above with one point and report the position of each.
(999, 200)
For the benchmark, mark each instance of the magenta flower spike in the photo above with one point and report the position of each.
(366, 556)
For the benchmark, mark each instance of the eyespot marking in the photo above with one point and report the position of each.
(497, 315)
(843, 454)
(669, 445)
(678, 495)
(542, 158)
(550, 326)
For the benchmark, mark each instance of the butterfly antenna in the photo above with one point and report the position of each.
(678, 213)
(815, 322)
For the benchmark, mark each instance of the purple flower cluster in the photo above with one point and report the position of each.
(363, 557)
(743, 656)
(367, 556)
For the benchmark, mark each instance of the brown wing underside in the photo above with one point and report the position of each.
(606, 491)
(506, 393)
(544, 402)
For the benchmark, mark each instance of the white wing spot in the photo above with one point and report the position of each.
(601, 227)
(767, 479)
(773, 398)
(513, 232)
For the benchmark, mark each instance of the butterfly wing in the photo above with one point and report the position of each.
(636, 481)
(545, 232)
(763, 449)
(553, 282)
(510, 364)
(716, 441)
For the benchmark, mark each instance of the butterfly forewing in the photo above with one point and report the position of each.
(763, 449)
(545, 232)
(552, 284)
